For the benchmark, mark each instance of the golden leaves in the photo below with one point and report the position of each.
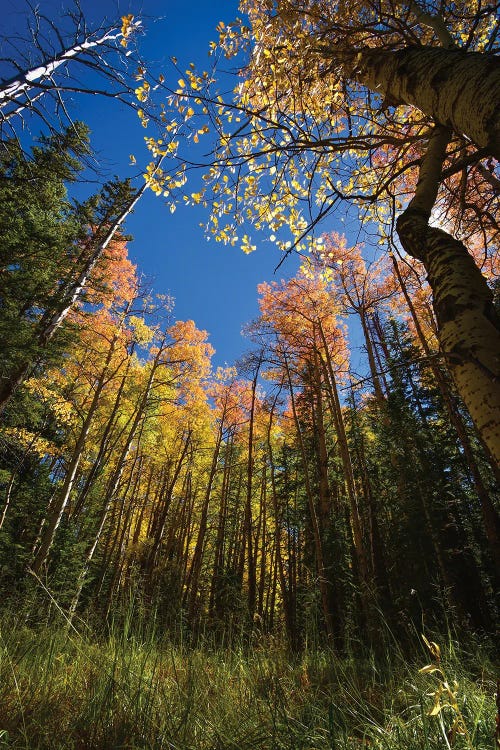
(127, 29)
(246, 245)
(445, 697)
(142, 92)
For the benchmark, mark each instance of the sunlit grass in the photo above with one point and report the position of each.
(65, 689)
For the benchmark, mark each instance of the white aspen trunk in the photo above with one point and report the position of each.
(52, 320)
(75, 288)
(468, 326)
(35, 78)
(56, 512)
(457, 89)
(469, 331)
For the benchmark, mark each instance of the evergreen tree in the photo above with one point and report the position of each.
(49, 247)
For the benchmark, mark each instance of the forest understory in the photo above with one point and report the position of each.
(66, 686)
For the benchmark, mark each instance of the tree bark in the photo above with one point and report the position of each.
(455, 88)
(56, 513)
(468, 327)
(27, 80)
(71, 290)
(323, 581)
(192, 579)
(490, 515)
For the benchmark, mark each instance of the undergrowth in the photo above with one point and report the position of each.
(64, 688)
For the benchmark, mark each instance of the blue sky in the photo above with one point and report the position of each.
(213, 284)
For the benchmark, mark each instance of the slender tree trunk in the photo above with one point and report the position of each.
(70, 292)
(105, 449)
(29, 80)
(318, 545)
(248, 536)
(118, 527)
(379, 394)
(377, 343)
(114, 482)
(218, 565)
(345, 456)
(111, 490)
(263, 548)
(8, 497)
(71, 471)
(55, 516)
(196, 563)
(162, 520)
(378, 562)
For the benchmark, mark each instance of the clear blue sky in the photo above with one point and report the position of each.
(213, 284)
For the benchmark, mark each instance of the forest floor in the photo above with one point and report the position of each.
(62, 689)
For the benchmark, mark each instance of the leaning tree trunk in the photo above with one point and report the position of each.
(490, 515)
(39, 79)
(459, 91)
(468, 327)
(71, 291)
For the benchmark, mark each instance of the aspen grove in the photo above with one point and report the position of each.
(290, 549)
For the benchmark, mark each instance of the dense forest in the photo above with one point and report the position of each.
(285, 531)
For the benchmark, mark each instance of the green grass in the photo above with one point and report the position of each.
(63, 689)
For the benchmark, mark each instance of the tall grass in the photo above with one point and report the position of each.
(64, 687)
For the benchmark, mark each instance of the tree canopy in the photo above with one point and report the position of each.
(340, 478)
(392, 107)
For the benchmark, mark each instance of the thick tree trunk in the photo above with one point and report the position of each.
(455, 88)
(490, 515)
(469, 330)
(468, 327)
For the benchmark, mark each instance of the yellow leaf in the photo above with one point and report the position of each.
(430, 668)
(433, 648)
(435, 710)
